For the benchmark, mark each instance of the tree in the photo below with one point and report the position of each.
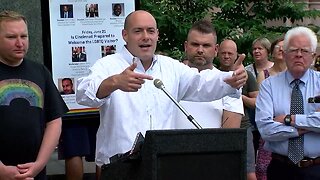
(242, 21)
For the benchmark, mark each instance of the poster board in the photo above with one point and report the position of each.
(81, 32)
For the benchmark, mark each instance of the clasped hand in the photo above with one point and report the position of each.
(20, 172)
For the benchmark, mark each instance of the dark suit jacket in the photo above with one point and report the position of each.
(70, 14)
(82, 57)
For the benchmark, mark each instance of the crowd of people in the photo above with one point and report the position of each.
(267, 97)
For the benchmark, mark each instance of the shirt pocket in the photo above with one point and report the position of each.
(313, 107)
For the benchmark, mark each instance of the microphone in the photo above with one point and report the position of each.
(315, 99)
(159, 84)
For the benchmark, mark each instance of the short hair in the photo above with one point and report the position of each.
(204, 26)
(117, 4)
(301, 30)
(264, 42)
(67, 79)
(275, 42)
(7, 15)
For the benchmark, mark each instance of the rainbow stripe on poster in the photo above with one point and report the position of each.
(86, 110)
(11, 89)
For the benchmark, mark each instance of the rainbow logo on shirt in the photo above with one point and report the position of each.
(11, 89)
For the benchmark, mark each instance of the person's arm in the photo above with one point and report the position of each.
(8, 172)
(250, 100)
(306, 123)
(231, 119)
(2, 170)
(310, 122)
(232, 112)
(260, 78)
(94, 90)
(265, 115)
(127, 81)
(49, 143)
(107, 87)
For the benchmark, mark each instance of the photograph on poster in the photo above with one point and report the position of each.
(66, 11)
(107, 50)
(79, 54)
(92, 10)
(76, 38)
(118, 9)
(66, 86)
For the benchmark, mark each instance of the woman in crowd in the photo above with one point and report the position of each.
(263, 156)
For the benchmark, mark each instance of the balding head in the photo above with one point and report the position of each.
(227, 54)
(137, 14)
(141, 35)
(228, 43)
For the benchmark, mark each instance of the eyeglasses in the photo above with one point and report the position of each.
(303, 51)
(278, 47)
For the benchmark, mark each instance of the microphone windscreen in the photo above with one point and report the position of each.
(158, 83)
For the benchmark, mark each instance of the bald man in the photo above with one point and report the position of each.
(227, 54)
(121, 85)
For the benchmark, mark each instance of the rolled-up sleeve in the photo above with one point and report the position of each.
(87, 88)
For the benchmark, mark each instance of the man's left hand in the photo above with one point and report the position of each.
(239, 76)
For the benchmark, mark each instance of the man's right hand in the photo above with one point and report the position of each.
(129, 81)
(8, 172)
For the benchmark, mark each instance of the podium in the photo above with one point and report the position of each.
(186, 154)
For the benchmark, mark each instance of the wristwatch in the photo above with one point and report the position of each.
(287, 120)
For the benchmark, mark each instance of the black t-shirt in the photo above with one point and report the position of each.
(28, 100)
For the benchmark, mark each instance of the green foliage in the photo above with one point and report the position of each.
(242, 21)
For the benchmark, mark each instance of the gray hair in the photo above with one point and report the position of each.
(301, 30)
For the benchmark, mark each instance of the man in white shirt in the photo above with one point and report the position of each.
(121, 86)
(201, 48)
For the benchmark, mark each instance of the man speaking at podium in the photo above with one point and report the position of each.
(121, 85)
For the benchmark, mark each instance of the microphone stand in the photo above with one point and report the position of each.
(190, 118)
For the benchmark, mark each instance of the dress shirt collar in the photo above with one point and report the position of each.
(303, 79)
(129, 57)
